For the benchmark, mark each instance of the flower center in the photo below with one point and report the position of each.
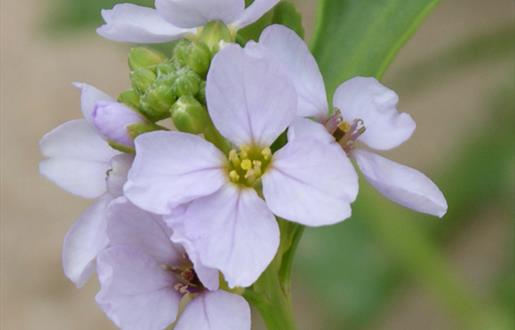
(247, 166)
(345, 133)
(187, 280)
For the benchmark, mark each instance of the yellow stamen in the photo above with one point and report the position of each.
(266, 153)
(344, 126)
(234, 176)
(246, 164)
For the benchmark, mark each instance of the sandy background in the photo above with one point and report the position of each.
(36, 95)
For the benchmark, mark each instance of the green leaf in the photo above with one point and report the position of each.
(361, 37)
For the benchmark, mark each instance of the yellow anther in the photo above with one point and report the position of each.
(235, 177)
(244, 151)
(266, 153)
(233, 157)
(344, 126)
(246, 164)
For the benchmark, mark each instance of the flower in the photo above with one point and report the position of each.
(230, 199)
(81, 162)
(173, 19)
(366, 112)
(143, 277)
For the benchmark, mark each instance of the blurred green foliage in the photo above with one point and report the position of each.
(355, 269)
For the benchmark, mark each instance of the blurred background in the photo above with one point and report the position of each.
(385, 268)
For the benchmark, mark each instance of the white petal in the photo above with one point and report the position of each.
(304, 128)
(254, 12)
(173, 168)
(117, 175)
(129, 225)
(217, 310)
(131, 23)
(293, 53)
(78, 158)
(233, 231)
(404, 185)
(249, 99)
(136, 293)
(89, 96)
(311, 182)
(366, 99)
(85, 239)
(195, 13)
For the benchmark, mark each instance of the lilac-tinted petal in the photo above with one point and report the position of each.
(304, 128)
(218, 310)
(173, 168)
(89, 96)
(129, 225)
(195, 13)
(209, 277)
(233, 231)
(402, 184)
(117, 175)
(311, 182)
(366, 99)
(131, 23)
(136, 293)
(249, 99)
(78, 158)
(254, 12)
(85, 239)
(293, 53)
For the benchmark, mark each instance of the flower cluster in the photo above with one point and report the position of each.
(184, 218)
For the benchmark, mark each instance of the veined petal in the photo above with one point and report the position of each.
(85, 239)
(131, 23)
(250, 99)
(254, 12)
(78, 158)
(402, 184)
(136, 293)
(195, 13)
(366, 99)
(218, 310)
(311, 182)
(172, 168)
(131, 226)
(293, 53)
(233, 231)
(89, 96)
(304, 128)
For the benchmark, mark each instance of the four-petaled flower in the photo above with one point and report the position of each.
(229, 201)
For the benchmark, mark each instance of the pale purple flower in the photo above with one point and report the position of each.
(112, 120)
(143, 277)
(173, 19)
(230, 200)
(366, 113)
(81, 162)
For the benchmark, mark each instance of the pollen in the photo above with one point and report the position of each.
(247, 165)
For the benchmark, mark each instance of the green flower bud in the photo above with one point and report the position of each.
(157, 101)
(214, 32)
(202, 93)
(190, 116)
(142, 79)
(130, 98)
(187, 83)
(145, 58)
(167, 67)
(199, 58)
(181, 51)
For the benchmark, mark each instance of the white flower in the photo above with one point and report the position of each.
(173, 19)
(231, 199)
(367, 114)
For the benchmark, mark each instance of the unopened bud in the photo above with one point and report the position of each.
(189, 115)
(157, 101)
(141, 79)
(213, 33)
(187, 83)
(194, 55)
(145, 58)
(112, 120)
(130, 98)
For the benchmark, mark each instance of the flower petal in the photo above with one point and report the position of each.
(404, 185)
(131, 226)
(172, 168)
(195, 13)
(366, 99)
(254, 12)
(78, 158)
(218, 310)
(85, 239)
(233, 231)
(311, 182)
(293, 53)
(131, 23)
(304, 128)
(89, 96)
(117, 174)
(136, 293)
(249, 99)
